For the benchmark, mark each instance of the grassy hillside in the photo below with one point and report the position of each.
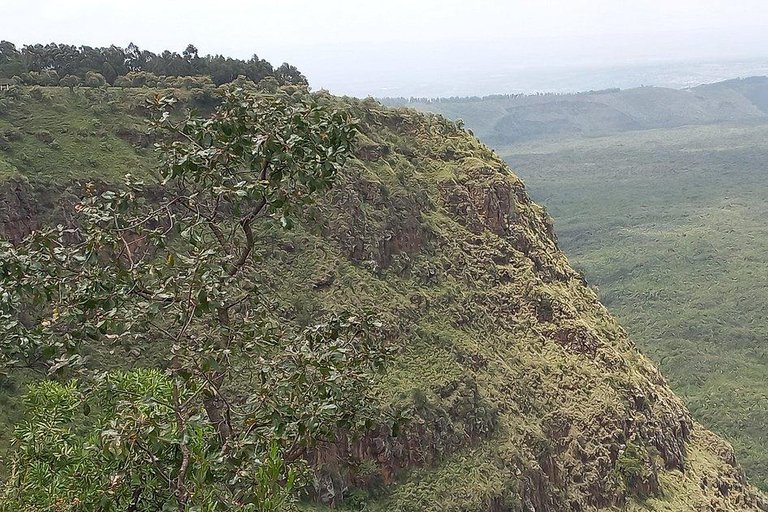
(57, 136)
(52, 142)
(520, 390)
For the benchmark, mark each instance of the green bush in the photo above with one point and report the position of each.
(116, 447)
(93, 79)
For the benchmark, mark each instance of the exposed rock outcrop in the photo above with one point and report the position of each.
(580, 420)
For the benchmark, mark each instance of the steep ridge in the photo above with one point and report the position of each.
(565, 414)
(517, 389)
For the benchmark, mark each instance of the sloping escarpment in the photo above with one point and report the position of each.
(513, 388)
(523, 392)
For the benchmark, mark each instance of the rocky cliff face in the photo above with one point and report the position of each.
(513, 388)
(522, 391)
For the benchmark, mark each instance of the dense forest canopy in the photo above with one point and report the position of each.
(49, 64)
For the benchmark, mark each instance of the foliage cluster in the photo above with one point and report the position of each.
(48, 64)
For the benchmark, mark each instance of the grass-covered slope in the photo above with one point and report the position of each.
(520, 390)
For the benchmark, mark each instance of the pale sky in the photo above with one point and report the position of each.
(365, 47)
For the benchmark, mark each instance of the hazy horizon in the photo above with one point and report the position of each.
(429, 48)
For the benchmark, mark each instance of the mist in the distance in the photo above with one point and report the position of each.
(430, 47)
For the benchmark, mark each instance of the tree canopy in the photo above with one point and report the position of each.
(55, 61)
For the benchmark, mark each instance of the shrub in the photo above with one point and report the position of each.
(122, 81)
(36, 93)
(12, 134)
(44, 136)
(44, 78)
(70, 81)
(93, 79)
(203, 97)
(142, 79)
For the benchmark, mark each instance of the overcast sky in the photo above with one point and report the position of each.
(365, 47)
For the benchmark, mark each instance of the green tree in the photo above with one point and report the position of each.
(122, 81)
(243, 395)
(70, 81)
(190, 53)
(94, 79)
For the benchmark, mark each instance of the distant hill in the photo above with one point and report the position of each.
(506, 120)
